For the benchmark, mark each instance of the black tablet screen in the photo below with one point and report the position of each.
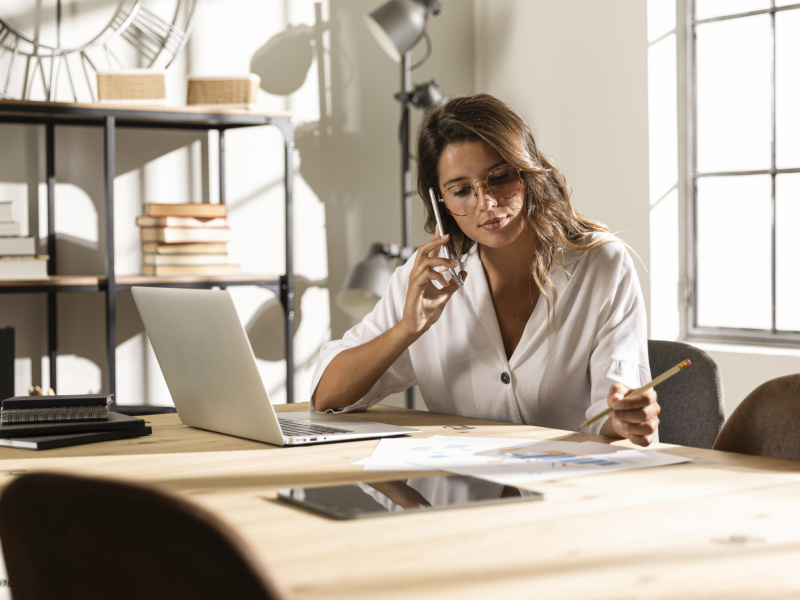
(403, 495)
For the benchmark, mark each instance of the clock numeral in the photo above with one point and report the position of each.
(90, 79)
(34, 66)
(5, 32)
(150, 35)
(59, 60)
(111, 58)
(50, 80)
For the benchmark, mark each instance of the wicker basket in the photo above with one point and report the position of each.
(138, 85)
(230, 91)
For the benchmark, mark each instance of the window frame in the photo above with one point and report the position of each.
(695, 332)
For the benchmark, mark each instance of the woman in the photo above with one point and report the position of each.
(549, 328)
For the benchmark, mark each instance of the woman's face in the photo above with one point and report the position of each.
(494, 223)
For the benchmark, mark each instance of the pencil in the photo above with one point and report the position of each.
(660, 379)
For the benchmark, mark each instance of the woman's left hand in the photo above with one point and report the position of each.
(634, 417)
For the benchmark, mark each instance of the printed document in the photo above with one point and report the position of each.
(511, 461)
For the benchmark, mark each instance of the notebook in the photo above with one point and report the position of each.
(63, 440)
(212, 374)
(35, 409)
(115, 422)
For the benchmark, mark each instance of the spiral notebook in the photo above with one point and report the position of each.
(115, 422)
(40, 409)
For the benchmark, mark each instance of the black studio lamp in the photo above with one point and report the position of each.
(367, 281)
(397, 26)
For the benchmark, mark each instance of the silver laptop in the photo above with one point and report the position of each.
(211, 372)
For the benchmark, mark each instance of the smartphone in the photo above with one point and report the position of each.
(384, 498)
(435, 206)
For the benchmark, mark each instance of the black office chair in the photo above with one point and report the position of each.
(693, 402)
(66, 537)
(767, 422)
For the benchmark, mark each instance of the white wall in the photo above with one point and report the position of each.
(577, 72)
(599, 82)
(347, 190)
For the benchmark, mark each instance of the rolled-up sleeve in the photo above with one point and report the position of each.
(619, 353)
(387, 313)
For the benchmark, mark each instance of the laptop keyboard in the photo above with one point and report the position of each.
(293, 428)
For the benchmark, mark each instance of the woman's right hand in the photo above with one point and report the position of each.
(353, 372)
(424, 301)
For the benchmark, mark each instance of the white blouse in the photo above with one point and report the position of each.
(560, 372)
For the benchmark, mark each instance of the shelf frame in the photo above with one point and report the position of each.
(111, 118)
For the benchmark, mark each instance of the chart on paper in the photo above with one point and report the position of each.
(510, 461)
(545, 460)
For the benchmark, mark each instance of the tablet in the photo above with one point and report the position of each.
(398, 496)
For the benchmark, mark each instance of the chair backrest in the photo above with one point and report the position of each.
(767, 422)
(68, 537)
(692, 403)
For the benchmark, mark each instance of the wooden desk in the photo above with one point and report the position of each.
(724, 526)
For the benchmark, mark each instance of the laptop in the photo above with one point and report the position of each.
(212, 375)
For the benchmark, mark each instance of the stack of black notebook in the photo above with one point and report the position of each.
(43, 422)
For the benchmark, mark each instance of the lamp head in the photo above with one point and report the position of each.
(399, 24)
(426, 95)
(366, 283)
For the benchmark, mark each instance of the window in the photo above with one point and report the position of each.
(743, 159)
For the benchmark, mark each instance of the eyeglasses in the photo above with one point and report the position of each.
(501, 183)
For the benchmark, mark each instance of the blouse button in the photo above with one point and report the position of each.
(505, 378)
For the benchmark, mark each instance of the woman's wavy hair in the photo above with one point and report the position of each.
(553, 221)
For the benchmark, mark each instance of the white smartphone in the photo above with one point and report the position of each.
(434, 205)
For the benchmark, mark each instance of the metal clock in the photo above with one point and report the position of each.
(52, 49)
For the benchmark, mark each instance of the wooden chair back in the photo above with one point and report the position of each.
(767, 422)
(68, 537)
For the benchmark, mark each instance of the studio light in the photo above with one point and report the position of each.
(426, 95)
(399, 24)
(367, 281)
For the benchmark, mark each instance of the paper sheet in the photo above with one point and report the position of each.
(402, 454)
(544, 460)
(510, 461)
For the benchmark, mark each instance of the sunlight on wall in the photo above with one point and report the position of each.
(75, 214)
(74, 372)
(346, 186)
(665, 248)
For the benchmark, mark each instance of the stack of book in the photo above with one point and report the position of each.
(18, 258)
(185, 239)
(45, 422)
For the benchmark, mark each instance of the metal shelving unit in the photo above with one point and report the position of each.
(110, 118)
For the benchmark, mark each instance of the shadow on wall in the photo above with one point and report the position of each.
(349, 156)
(267, 333)
(80, 209)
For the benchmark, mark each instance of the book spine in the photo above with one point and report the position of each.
(53, 415)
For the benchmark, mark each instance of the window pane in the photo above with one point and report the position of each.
(785, 2)
(787, 88)
(733, 95)
(705, 9)
(787, 274)
(734, 253)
